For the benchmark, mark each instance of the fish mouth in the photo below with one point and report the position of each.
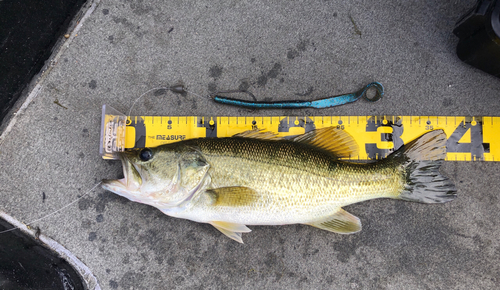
(131, 181)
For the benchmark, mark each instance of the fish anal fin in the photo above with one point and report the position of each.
(234, 196)
(336, 141)
(231, 230)
(340, 222)
(231, 226)
(259, 134)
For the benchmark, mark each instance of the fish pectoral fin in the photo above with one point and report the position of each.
(331, 139)
(234, 196)
(341, 222)
(231, 230)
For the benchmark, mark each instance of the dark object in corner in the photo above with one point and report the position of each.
(29, 30)
(27, 264)
(479, 31)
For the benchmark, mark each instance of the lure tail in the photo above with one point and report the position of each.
(421, 160)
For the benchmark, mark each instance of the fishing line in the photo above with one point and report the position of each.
(177, 89)
(53, 213)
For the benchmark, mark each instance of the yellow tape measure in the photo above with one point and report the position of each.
(469, 138)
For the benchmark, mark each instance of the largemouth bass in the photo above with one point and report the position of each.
(256, 178)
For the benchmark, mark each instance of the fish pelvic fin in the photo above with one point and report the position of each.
(336, 141)
(340, 222)
(421, 160)
(231, 230)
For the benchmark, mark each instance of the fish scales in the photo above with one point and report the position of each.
(293, 181)
(256, 178)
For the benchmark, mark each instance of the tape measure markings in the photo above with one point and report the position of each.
(469, 138)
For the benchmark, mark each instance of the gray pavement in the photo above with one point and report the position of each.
(276, 49)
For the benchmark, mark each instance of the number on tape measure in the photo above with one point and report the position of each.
(469, 138)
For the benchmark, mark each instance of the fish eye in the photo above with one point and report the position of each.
(146, 154)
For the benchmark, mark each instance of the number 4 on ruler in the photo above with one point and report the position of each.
(473, 145)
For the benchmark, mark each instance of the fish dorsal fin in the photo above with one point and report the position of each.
(341, 222)
(231, 230)
(259, 134)
(331, 139)
(234, 196)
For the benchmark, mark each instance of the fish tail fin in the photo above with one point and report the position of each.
(421, 160)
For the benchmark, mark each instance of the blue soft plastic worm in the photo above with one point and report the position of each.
(323, 103)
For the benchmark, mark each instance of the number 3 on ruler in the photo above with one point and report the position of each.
(395, 137)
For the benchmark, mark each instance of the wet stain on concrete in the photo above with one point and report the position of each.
(86, 223)
(84, 204)
(212, 87)
(105, 11)
(157, 242)
(92, 236)
(447, 102)
(302, 46)
(103, 199)
(138, 8)
(100, 206)
(130, 26)
(178, 280)
(244, 85)
(215, 72)
(271, 74)
(292, 53)
(93, 84)
(275, 71)
(262, 80)
(298, 50)
(124, 228)
(113, 284)
(100, 201)
(131, 279)
(99, 218)
(270, 260)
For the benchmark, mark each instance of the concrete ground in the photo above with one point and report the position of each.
(276, 49)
